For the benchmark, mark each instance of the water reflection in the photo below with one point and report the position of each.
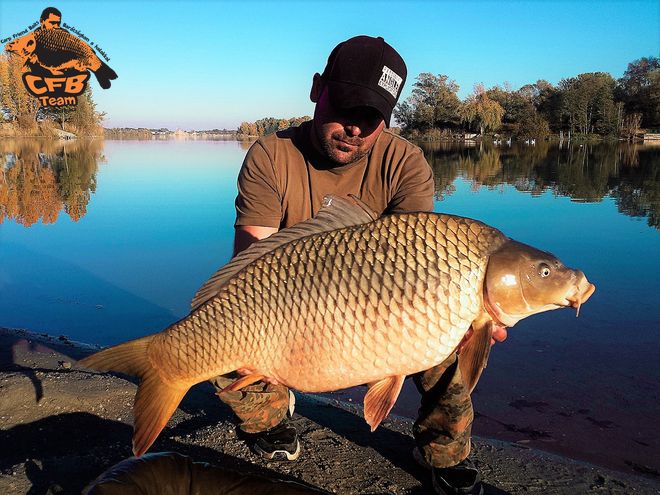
(586, 173)
(39, 179)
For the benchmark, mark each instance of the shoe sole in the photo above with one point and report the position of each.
(279, 454)
(292, 404)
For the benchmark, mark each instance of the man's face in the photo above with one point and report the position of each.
(51, 22)
(344, 136)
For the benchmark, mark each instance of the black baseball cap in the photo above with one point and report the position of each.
(365, 71)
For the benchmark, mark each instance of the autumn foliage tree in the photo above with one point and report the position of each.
(19, 106)
(40, 179)
(23, 111)
(481, 111)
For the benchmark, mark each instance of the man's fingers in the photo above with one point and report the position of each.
(499, 334)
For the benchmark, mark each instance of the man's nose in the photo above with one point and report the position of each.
(353, 129)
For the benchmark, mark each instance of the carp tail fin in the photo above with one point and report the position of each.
(155, 400)
(129, 358)
(381, 398)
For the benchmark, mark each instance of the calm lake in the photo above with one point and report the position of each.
(106, 241)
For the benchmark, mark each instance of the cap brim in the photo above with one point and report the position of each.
(347, 95)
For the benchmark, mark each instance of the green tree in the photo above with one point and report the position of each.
(433, 104)
(514, 103)
(481, 111)
(639, 89)
(587, 103)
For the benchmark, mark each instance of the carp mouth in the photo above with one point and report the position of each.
(582, 293)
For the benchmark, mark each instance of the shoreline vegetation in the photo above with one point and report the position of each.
(589, 107)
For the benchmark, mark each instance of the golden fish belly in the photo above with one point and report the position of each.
(341, 308)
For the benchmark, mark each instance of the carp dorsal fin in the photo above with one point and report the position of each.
(381, 398)
(335, 213)
(473, 356)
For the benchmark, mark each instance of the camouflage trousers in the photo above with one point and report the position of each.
(442, 430)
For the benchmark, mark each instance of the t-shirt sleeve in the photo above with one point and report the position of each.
(258, 201)
(415, 187)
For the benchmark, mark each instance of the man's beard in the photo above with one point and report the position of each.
(340, 157)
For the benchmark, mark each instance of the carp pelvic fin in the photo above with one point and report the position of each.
(473, 356)
(381, 398)
(336, 213)
(242, 383)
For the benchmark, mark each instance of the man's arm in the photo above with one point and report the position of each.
(244, 235)
(414, 186)
(258, 203)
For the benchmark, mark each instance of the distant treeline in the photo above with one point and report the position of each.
(21, 114)
(589, 104)
(164, 133)
(267, 125)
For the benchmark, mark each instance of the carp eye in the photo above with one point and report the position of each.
(544, 270)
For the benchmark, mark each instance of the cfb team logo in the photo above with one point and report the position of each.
(56, 63)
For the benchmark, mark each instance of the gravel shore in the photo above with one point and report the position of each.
(61, 426)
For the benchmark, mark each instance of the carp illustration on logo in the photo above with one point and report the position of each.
(56, 63)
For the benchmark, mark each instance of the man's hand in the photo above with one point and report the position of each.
(499, 334)
(244, 235)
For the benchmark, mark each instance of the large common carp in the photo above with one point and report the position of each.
(341, 300)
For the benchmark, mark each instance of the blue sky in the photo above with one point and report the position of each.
(206, 64)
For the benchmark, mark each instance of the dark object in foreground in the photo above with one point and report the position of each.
(166, 473)
(462, 479)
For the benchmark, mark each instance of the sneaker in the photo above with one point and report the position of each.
(278, 443)
(419, 459)
(461, 479)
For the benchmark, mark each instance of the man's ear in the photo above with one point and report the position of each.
(317, 88)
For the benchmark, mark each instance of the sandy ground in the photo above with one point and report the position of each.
(61, 426)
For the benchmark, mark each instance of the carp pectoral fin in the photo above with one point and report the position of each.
(473, 356)
(242, 382)
(381, 398)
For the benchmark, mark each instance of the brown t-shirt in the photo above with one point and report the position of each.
(283, 179)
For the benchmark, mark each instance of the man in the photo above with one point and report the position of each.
(50, 18)
(345, 150)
